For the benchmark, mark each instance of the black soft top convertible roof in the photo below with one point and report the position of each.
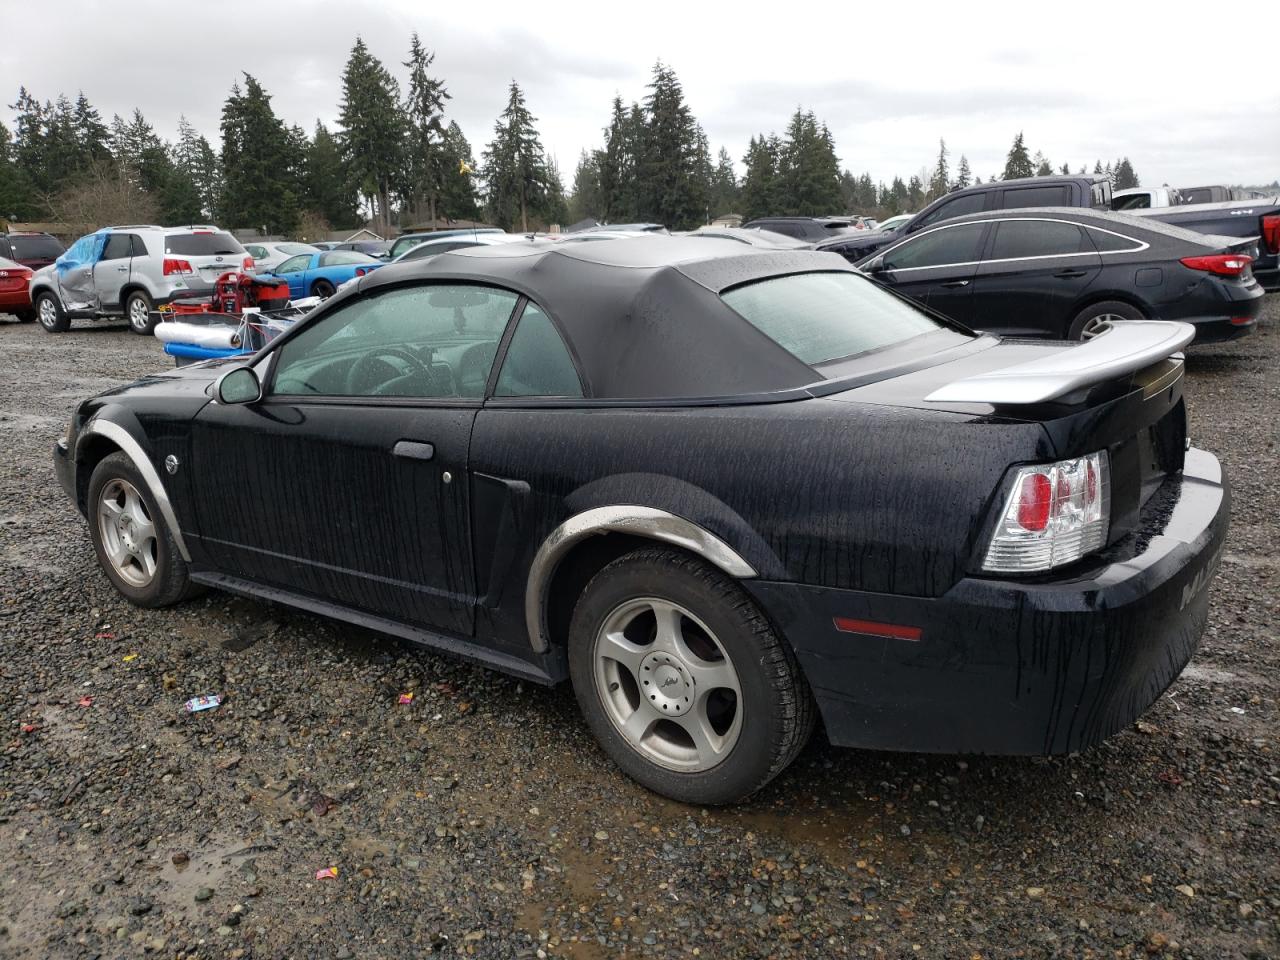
(643, 316)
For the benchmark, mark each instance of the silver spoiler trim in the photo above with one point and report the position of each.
(1128, 346)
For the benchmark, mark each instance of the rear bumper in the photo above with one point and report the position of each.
(1009, 667)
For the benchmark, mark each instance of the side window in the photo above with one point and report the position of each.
(959, 207)
(1108, 242)
(537, 363)
(1056, 196)
(119, 247)
(426, 341)
(255, 251)
(294, 264)
(5, 250)
(937, 248)
(139, 248)
(1016, 239)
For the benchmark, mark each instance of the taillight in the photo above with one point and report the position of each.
(1054, 515)
(1221, 264)
(174, 266)
(361, 271)
(1271, 233)
(247, 265)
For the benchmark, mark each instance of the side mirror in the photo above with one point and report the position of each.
(876, 265)
(240, 385)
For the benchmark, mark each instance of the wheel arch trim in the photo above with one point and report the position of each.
(131, 448)
(647, 522)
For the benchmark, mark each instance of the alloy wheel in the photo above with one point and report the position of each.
(48, 312)
(667, 685)
(139, 315)
(1097, 326)
(128, 533)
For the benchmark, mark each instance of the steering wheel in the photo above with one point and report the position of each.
(365, 365)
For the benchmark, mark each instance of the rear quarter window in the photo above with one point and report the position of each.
(202, 244)
(818, 317)
(1056, 196)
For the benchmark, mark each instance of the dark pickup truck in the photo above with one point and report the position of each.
(1058, 191)
(1234, 218)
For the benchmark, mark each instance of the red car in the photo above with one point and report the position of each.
(15, 290)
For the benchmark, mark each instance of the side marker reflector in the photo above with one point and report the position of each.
(892, 631)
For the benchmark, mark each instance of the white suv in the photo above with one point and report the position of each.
(129, 271)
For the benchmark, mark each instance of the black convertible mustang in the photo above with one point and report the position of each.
(724, 490)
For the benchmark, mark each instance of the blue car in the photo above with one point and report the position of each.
(320, 274)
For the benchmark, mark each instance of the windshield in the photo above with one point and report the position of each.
(818, 317)
(202, 244)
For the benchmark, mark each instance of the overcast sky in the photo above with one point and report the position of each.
(888, 81)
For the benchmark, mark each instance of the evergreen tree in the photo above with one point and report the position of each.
(257, 189)
(457, 182)
(28, 140)
(1043, 167)
(940, 182)
(515, 168)
(586, 199)
(1066, 170)
(1125, 176)
(91, 134)
(16, 198)
(556, 208)
(195, 161)
(963, 177)
(372, 130)
(724, 186)
(328, 190)
(1097, 168)
(899, 198)
(424, 112)
(915, 193)
(671, 159)
(759, 185)
(1018, 163)
(808, 171)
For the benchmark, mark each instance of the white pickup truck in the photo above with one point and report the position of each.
(1144, 198)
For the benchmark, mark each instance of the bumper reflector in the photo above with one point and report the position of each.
(892, 631)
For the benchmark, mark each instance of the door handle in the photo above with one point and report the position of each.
(413, 450)
(1069, 274)
(122, 269)
(956, 283)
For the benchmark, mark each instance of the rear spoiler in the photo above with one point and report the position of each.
(1127, 347)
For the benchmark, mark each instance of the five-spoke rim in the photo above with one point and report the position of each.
(668, 685)
(138, 312)
(128, 533)
(1097, 326)
(48, 312)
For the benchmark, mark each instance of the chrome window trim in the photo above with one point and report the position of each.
(1141, 244)
(133, 450)
(640, 521)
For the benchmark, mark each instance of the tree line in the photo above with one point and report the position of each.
(395, 157)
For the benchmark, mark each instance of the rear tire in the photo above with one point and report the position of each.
(1096, 319)
(706, 709)
(134, 546)
(50, 313)
(322, 289)
(137, 310)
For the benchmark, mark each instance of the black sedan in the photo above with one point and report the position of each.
(722, 489)
(1069, 273)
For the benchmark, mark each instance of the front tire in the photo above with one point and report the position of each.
(26, 316)
(133, 543)
(1096, 319)
(322, 289)
(137, 310)
(50, 313)
(683, 681)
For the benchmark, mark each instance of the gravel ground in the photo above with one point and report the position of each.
(481, 820)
